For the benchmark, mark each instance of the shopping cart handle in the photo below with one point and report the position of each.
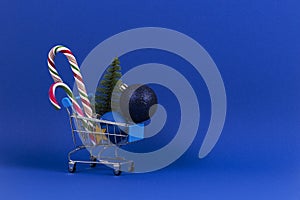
(66, 102)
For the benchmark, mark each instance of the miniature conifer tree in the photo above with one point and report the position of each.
(106, 98)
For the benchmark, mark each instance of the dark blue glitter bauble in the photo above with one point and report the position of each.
(136, 101)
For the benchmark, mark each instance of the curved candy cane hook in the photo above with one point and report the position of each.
(77, 75)
(69, 92)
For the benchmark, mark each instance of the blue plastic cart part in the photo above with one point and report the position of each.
(66, 102)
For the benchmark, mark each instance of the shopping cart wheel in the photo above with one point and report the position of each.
(72, 167)
(93, 159)
(117, 172)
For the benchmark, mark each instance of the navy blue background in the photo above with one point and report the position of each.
(256, 47)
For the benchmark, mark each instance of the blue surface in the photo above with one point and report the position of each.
(256, 46)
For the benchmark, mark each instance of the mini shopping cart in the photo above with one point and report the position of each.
(101, 137)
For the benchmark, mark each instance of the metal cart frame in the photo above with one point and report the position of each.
(85, 128)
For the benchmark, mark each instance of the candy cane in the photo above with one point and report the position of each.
(77, 108)
(76, 73)
(69, 92)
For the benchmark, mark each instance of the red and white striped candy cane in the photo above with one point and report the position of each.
(69, 92)
(76, 73)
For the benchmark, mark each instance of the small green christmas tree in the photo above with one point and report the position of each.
(106, 98)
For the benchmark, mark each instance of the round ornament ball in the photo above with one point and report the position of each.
(138, 103)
